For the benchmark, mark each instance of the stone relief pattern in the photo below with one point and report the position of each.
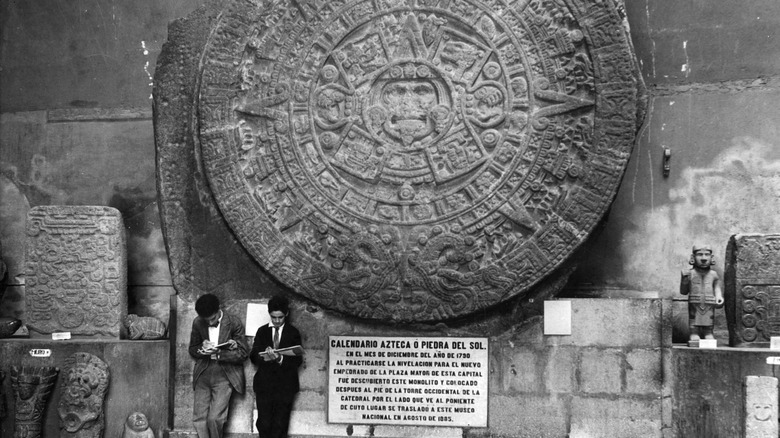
(416, 160)
(76, 270)
(757, 280)
(84, 388)
(32, 388)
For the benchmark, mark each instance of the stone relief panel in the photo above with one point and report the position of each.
(752, 289)
(416, 160)
(76, 270)
(32, 388)
(84, 388)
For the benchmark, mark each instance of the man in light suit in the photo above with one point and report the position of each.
(218, 345)
(276, 380)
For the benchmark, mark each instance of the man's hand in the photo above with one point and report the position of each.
(207, 348)
(232, 344)
(270, 355)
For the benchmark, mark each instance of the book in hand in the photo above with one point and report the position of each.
(295, 350)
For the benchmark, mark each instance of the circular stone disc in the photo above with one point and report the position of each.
(415, 160)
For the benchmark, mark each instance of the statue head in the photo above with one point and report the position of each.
(137, 422)
(701, 256)
(27, 384)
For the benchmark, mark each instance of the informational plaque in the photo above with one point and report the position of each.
(408, 381)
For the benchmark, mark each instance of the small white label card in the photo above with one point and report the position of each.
(256, 317)
(60, 336)
(708, 343)
(557, 317)
(40, 352)
(773, 360)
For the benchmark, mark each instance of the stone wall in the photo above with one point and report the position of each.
(604, 379)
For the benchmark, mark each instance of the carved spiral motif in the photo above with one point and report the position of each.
(416, 160)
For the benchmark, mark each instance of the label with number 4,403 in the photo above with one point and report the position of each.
(40, 352)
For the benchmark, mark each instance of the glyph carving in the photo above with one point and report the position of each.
(75, 270)
(84, 390)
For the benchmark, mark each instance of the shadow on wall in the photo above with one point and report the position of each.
(738, 194)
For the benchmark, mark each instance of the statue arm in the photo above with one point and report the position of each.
(685, 282)
(719, 300)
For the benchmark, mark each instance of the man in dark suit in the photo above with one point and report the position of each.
(218, 345)
(276, 380)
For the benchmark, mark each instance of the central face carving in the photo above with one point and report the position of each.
(409, 104)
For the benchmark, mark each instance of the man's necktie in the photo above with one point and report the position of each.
(276, 338)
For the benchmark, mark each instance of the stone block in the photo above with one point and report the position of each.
(622, 417)
(644, 371)
(617, 323)
(559, 370)
(752, 289)
(76, 270)
(600, 371)
(528, 416)
(761, 407)
(521, 371)
(314, 371)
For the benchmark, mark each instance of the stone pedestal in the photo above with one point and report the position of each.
(761, 407)
(752, 289)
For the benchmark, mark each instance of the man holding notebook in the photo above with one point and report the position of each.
(277, 354)
(218, 345)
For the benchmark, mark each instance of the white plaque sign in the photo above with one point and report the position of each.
(408, 381)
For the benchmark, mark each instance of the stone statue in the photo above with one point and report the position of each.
(144, 327)
(83, 392)
(702, 285)
(137, 426)
(32, 388)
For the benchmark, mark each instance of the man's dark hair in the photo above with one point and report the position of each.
(278, 302)
(207, 305)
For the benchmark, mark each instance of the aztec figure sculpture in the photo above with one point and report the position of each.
(702, 285)
(405, 161)
(32, 388)
(83, 392)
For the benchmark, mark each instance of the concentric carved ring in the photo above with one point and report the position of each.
(416, 160)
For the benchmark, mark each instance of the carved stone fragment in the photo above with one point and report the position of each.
(83, 393)
(405, 161)
(752, 289)
(761, 407)
(144, 327)
(76, 270)
(137, 426)
(32, 388)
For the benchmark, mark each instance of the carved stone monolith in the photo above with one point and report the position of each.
(761, 407)
(32, 388)
(75, 270)
(404, 161)
(752, 289)
(84, 390)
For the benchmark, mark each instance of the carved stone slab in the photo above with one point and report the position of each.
(76, 270)
(84, 387)
(416, 160)
(760, 407)
(752, 289)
